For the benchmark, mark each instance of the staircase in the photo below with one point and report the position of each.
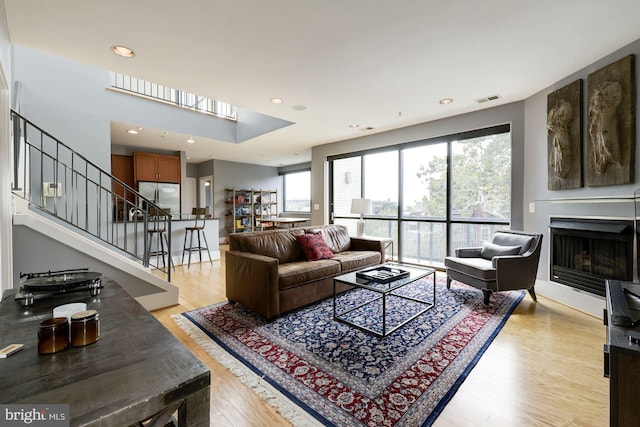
(69, 200)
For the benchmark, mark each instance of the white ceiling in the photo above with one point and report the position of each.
(375, 63)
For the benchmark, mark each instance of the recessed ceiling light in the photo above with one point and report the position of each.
(132, 131)
(446, 101)
(299, 107)
(354, 126)
(191, 140)
(277, 100)
(123, 51)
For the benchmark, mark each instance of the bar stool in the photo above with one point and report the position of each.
(157, 228)
(198, 227)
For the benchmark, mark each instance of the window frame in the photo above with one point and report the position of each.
(401, 218)
(284, 189)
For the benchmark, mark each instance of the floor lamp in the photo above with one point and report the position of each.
(362, 207)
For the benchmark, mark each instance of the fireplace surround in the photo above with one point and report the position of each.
(586, 252)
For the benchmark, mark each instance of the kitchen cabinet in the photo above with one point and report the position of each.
(156, 167)
(122, 168)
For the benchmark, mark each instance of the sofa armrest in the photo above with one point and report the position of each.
(252, 280)
(468, 252)
(369, 244)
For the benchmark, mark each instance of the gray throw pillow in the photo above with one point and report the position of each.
(489, 250)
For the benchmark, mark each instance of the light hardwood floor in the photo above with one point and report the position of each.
(543, 369)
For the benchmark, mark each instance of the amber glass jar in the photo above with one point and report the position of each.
(53, 335)
(85, 328)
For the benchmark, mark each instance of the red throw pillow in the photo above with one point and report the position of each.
(314, 246)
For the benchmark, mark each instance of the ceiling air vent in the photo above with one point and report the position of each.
(487, 99)
(368, 128)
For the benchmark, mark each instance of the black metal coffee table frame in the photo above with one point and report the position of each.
(384, 290)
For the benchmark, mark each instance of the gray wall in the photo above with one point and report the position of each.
(72, 102)
(241, 176)
(34, 252)
(605, 201)
(511, 113)
(66, 99)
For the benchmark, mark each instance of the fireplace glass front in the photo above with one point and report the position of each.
(584, 253)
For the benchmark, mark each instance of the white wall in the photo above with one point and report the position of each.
(6, 168)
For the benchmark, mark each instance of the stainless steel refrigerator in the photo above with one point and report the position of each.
(166, 196)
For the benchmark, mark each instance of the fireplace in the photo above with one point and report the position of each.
(586, 252)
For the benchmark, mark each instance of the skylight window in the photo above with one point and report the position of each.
(173, 96)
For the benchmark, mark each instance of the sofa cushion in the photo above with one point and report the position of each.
(336, 236)
(355, 260)
(489, 250)
(280, 245)
(301, 272)
(314, 246)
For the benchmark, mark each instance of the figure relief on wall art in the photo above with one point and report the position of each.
(611, 124)
(564, 137)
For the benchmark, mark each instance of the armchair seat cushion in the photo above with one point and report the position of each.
(480, 268)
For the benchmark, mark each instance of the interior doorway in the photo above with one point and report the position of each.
(189, 195)
(206, 193)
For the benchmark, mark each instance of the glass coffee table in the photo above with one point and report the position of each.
(388, 298)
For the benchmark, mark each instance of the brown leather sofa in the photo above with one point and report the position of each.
(268, 272)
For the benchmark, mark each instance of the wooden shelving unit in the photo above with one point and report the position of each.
(245, 208)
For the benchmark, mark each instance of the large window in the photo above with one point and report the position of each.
(297, 191)
(429, 196)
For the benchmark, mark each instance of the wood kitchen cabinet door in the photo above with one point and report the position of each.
(122, 168)
(168, 169)
(156, 167)
(145, 167)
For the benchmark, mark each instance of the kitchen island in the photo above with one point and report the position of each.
(132, 233)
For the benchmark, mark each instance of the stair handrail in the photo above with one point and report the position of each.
(52, 171)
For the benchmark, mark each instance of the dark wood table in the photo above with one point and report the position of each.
(276, 221)
(137, 369)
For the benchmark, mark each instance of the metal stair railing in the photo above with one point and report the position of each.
(59, 181)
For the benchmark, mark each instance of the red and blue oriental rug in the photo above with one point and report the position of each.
(317, 371)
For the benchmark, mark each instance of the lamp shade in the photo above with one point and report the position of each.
(361, 206)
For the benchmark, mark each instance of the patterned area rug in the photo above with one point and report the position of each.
(317, 371)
